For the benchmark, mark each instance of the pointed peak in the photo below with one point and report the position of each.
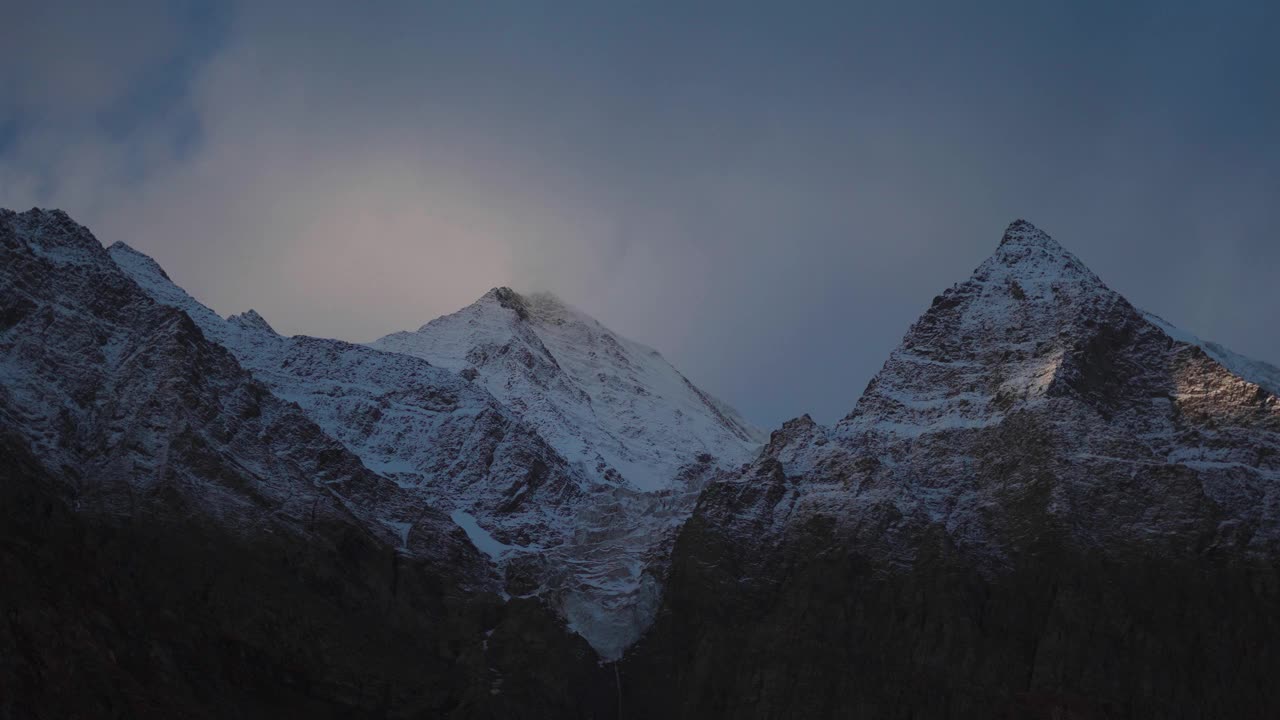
(796, 431)
(250, 319)
(499, 293)
(509, 299)
(1027, 253)
(1023, 236)
(1021, 232)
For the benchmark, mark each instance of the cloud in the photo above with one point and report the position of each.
(768, 196)
(64, 60)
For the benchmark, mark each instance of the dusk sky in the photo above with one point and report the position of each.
(768, 194)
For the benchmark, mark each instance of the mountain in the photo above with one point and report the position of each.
(611, 404)
(617, 411)
(105, 385)
(434, 434)
(580, 538)
(1046, 504)
(176, 538)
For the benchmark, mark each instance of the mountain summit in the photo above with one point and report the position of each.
(611, 404)
(998, 338)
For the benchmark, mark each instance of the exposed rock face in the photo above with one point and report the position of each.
(178, 541)
(1043, 503)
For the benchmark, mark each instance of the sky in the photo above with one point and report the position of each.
(768, 193)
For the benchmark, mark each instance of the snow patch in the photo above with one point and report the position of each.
(480, 537)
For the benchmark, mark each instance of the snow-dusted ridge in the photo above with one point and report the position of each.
(1256, 371)
(588, 537)
(129, 405)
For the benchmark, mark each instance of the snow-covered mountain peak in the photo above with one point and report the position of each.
(593, 550)
(1022, 232)
(1034, 333)
(1029, 257)
(506, 298)
(607, 402)
(1030, 396)
(646, 437)
(989, 344)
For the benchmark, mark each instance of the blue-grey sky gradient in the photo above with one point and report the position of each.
(769, 193)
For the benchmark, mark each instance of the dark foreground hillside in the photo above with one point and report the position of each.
(838, 632)
(147, 619)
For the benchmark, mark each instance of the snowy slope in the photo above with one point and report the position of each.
(613, 405)
(1255, 371)
(594, 549)
(420, 425)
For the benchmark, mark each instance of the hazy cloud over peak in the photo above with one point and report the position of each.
(768, 195)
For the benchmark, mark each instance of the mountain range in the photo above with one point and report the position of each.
(1048, 503)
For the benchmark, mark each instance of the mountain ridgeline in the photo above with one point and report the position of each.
(1047, 504)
